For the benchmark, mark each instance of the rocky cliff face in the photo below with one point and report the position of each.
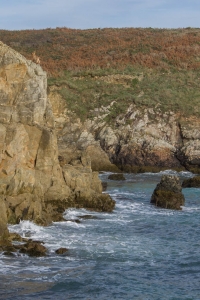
(140, 139)
(32, 183)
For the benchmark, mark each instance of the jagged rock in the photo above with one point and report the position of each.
(61, 250)
(138, 138)
(118, 176)
(168, 193)
(30, 173)
(33, 248)
(146, 138)
(33, 185)
(87, 188)
(191, 182)
(15, 237)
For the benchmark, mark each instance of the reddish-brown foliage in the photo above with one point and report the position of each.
(71, 49)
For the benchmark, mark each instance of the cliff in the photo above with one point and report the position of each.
(138, 139)
(33, 184)
(127, 97)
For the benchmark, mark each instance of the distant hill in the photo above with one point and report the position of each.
(72, 49)
(148, 67)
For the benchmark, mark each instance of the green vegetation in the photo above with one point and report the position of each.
(97, 67)
(86, 90)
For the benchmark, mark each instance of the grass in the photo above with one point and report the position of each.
(169, 60)
(175, 90)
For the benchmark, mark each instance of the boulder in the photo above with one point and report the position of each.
(61, 250)
(191, 182)
(33, 248)
(168, 193)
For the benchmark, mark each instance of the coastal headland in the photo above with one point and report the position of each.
(97, 100)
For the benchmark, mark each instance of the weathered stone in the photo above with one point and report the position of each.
(168, 193)
(191, 182)
(33, 249)
(14, 237)
(140, 139)
(33, 185)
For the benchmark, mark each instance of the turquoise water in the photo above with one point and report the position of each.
(137, 252)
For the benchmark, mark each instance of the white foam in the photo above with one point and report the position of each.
(190, 209)
(30, 230)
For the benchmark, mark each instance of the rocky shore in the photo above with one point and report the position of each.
(34, 185)
(50, 159)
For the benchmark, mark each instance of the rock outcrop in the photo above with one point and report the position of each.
(191, 182)
(136, 141)
(167, 193)
(33, 185)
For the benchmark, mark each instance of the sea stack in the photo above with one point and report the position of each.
(168, 193)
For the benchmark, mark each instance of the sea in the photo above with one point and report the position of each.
(138, 251)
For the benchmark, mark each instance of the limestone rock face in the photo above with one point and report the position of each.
(32, 183)
(87, 188)
(147, 138)
(167, 193)
(189, 152)
(75, 137)
(30, 173)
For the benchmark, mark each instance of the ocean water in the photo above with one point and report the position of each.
(137, 252)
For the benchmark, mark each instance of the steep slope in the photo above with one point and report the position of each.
(129, 97)
(134, 139)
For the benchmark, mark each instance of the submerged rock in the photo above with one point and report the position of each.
(168, 193)
(33, 248)
(61, 250)
(191, 182)
(118, 176)
(88, 217)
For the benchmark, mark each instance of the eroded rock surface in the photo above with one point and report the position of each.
(168, 193)
(33, 185)
(139, 139)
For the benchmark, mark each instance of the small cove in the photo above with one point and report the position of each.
(137, 252)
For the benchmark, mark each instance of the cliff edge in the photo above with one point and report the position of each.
(33, 185)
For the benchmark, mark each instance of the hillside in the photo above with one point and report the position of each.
(64, 48)
(131, 92)
(148, 67)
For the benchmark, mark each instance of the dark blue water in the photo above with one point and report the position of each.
(137, 252)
